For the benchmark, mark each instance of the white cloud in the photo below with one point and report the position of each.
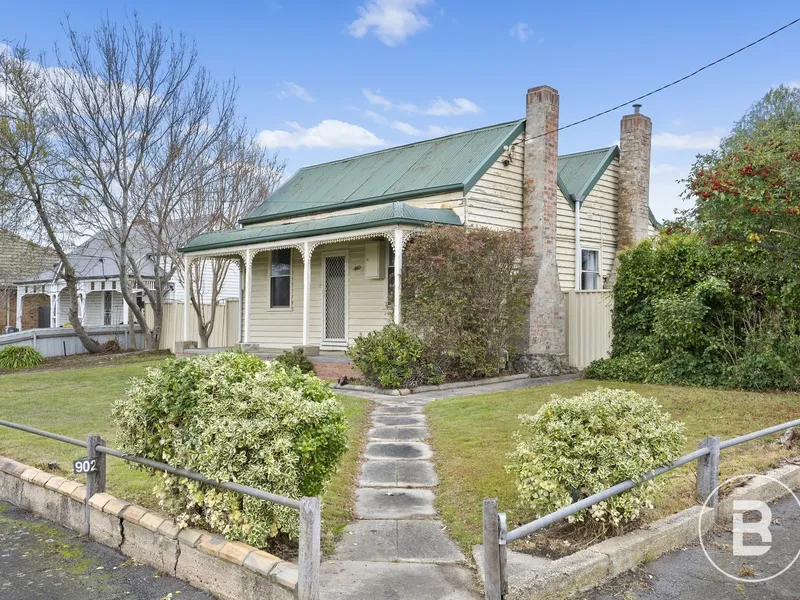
(438, 130)
(521, 31)
(329, 133)
(459, 106)
(384, 102)
(292, 90)
(406, 128)
(391, 21)
(793, 85)
(699, 140)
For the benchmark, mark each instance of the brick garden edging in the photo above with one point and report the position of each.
(601, 562)
(431, 388)
(229, 570)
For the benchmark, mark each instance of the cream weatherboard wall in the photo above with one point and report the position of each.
(283, 327)
(598, 227)
(496, 198)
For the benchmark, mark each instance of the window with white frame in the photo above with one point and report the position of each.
(390, 275)
(590, 269)
(280, 278)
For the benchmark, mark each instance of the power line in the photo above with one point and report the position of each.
(663, 87)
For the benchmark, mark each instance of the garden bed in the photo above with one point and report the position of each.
(77, 401)
(431, 388)
(472, 437)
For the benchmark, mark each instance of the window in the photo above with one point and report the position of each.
(390, 275)
(590, 269)
(280, 280)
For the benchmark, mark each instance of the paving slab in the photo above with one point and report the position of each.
(394, 503)
(398, 434)
(398, 420)
(355, 580)
(397, 410)
(425, 541)
(398, 451)
(398, 473)
(371, 540)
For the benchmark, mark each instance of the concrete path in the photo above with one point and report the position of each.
(40, 560)
(398, 548)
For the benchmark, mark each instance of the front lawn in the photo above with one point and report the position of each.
(78, 402)
(472, 436)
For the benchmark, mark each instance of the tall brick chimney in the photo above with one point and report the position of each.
(547, 334)
(635, 135)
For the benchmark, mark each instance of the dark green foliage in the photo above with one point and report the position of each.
(392, 357)
(687, 312)
(20, 357)
(295, 358)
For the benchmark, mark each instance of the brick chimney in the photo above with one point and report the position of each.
(540, 172)
(635, 134)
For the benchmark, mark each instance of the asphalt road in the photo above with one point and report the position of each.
(41, 560)
(688, 574)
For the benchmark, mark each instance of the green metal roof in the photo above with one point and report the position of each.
(389, 214)
(578, 173)
(449, 163)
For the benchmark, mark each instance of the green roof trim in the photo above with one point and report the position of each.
(578, 173)
(439, 165)
(395, 213)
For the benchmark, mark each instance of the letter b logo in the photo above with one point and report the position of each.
(760, 527)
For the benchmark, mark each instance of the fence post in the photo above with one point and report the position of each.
(310, 554)
(492, 579)
(95, 481)
(708, 472)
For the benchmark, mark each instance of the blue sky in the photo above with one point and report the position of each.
(324, 80)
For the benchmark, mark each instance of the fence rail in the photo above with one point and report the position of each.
(496, 537)
(310, 511)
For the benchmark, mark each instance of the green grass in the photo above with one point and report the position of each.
(78, 401)
(472, 436)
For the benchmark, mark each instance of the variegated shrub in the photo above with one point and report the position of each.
(233, 417)
(575, 447)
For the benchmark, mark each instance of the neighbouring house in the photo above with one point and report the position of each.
(322, 257)
(100, 301)
(20, 258)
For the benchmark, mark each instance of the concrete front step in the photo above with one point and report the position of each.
(394, 503)
(397, 473)
(398, 451)
(397, 434)
(381, 420)
(357, 580)
(401, 540)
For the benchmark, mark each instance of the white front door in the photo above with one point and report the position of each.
(334, 305)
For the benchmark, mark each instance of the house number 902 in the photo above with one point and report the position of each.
(84, 465)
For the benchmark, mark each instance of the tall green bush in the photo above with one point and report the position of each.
(573, 448)
(465, 290)
(232, 417)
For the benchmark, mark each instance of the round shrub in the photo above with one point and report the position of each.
(295, 358)
(233, 417)
(20, 357)
(392, 357)
(575, 447)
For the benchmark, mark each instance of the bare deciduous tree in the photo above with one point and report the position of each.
(29, 165)
(136, 118)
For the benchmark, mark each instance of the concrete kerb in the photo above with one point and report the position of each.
(591, 567)
(229, 570)
(430, 388)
